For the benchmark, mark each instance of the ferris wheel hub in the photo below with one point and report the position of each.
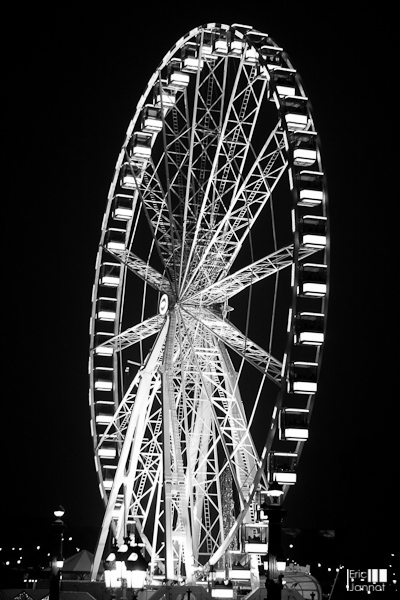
(164, 303)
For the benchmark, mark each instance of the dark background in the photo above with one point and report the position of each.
(73, 78)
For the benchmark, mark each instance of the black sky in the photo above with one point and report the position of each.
(73, 80)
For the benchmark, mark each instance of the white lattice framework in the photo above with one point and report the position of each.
(184, 389)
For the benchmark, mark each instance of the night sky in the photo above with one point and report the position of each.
(74, 79)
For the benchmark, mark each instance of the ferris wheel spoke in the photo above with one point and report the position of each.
(246, 205)
(235, 339)
(205, 127)
(233, 143)
(143, 270)
(224, 289)
(154, 199)
(133, 335)
(210, 377)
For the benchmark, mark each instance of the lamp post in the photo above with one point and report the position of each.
(275, 562)
(57, 560)
(126, 568)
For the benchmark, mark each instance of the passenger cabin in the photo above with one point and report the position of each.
(108, 478)
(103, 378)
(191, 62)
(220, 45)
(110, 274)
(115, 239)
(164, 97)
(177, 79)
(282, 467)
(293, 424)
(101, 338)
(140, 145)
(312, 280)
(310, 188)
(152, 119)
(309, 329)
(304, 148)
(251, 56)
(295, 110)
(285, 81)
(123, 207)
(303, 378)
(205, 41)
(272, 56)
(106, 309)
(235, 46)
(313, 231)
(131, 176)
(255, 538)
(104, 419)
(107, 451)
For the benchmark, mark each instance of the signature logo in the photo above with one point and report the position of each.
(370, 580)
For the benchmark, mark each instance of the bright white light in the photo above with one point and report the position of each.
(314, 289)
(167, 101)
(281, 565)
(236, 48)
(304, 387)
(296, 121)
(221, 47)
(314, 241)
(106, 315)
(103, 419)
(113, 245)
(104, 350)
(110, 280)
(107, 452)
(311, 338)
(256, 547)
(311, 195)
(108, 483)
(251, 56)
(285, 90)
(103, 385)
(304, 157)
(285, 478)
(192, 64)
(123, 214)
(179, 80)
(141, 152)
(295, 434)
(135, 579)
(222, 592)
(152, 124)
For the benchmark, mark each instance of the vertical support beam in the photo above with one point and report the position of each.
(168, 483)
(139, 408)
(174, 474)
(275, 516)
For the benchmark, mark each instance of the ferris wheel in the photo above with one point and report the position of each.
(209, 303)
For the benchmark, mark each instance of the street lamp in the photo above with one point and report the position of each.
(126, 568)
(57, 560)
(276, 561)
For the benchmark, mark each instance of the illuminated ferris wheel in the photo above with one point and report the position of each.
(209, 302)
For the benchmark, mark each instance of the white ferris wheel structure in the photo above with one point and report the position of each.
(209, 304)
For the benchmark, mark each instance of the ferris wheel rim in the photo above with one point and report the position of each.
(122, 157)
